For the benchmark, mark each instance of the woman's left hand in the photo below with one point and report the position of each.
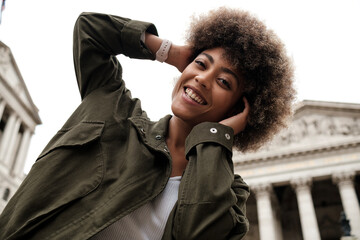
(238, 122)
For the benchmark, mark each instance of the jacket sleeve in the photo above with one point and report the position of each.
(98, 38)
(212, 199)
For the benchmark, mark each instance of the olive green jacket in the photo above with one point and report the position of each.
(109, 159)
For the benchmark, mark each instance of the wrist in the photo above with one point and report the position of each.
(172, 55)
(163, 52)
(178, 57)
(152, 42)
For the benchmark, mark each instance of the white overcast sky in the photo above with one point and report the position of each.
(322, 37)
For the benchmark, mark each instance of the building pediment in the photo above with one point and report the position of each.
(13, 83)
(315, 126)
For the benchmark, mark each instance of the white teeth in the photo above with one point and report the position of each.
(194, 96)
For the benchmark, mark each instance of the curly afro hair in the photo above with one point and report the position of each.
(260, 56)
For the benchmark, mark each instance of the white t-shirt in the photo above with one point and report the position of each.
(147, 222)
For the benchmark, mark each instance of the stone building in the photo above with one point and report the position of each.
(308, 175)
(18, 119)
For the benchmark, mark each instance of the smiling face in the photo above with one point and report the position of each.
(208, 89)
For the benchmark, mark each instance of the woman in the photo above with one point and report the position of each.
(111, 173)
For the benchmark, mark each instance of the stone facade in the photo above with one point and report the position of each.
(18, 119)
(302, 181)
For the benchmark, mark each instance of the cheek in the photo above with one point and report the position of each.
(178, 82)
(223, 97)
(176, 88)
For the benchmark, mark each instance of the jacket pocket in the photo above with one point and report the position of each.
(78, 135)
(70, 167)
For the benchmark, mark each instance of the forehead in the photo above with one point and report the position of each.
(219, 55)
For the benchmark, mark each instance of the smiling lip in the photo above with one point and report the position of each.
(193, 95)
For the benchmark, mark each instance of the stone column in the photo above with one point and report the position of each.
(7, 136)
(13, 144)
(309, 225)
(8, 141)
(267, 225)
(21, 156)
(350, 202)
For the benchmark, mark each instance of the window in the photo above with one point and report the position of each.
(6, 194)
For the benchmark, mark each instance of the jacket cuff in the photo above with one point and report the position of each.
(133, 47)
(210, 132)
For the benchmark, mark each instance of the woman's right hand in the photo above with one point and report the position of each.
(179, 56)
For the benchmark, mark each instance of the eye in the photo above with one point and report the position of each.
(224, 83)
(200, 63)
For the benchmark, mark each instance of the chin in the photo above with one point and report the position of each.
(184, 116)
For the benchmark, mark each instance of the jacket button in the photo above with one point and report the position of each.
(158, 137)
(142, 130)
(227, 136)
(213, 130)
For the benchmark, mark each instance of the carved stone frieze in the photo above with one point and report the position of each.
(4, 60)
(315, 127)
(4, 55)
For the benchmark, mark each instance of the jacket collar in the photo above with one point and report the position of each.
(153, 134)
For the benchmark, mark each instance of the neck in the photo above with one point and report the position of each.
(178, 131)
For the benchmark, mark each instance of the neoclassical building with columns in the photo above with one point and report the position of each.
(18, 119)
(302, 181)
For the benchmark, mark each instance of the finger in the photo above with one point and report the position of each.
(247, 106)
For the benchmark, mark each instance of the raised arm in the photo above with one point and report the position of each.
(98, 38)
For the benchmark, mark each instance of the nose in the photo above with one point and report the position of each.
(203, 80)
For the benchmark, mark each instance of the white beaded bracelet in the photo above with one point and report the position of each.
(162, 53)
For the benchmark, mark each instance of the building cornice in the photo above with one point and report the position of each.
(306, 151)
(31, 109)
(305, 106)
(31, 112)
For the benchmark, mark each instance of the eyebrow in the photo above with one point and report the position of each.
(227, 70)
(211, 59)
